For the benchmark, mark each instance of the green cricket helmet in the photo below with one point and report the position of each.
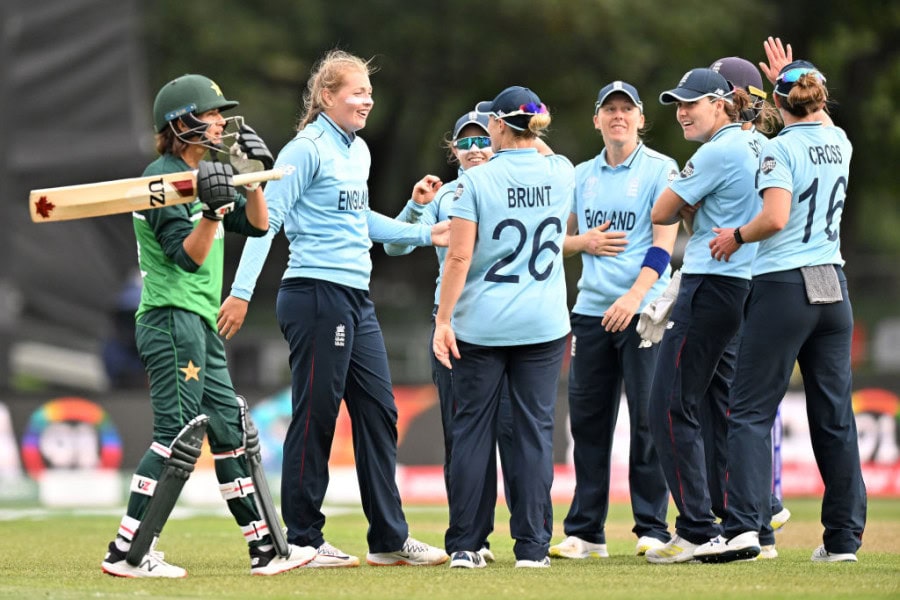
(188, 94)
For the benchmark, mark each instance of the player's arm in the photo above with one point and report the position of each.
(215, 192)
(773, 217)
(421, 208)
(283, 195)
(456, 267)
(655, 263)
(667, 208)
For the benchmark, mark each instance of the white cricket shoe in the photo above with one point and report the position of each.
(544, 563)
(646, 542)
(767, 552)
(780, 518)
(268, 562)
(677, 550)
(820, 554)
(575, 547)
(467, 560)
(413, 553)
(329, 557)
(152, 565)
(744, 546)
(486, 554)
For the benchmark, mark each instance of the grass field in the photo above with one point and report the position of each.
(57, 554)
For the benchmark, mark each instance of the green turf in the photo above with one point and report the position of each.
(57, 555)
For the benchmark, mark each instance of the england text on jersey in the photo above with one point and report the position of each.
(353, 200)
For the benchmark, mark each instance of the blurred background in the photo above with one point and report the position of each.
(78, 78)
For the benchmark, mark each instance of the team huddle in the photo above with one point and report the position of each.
(704, 355)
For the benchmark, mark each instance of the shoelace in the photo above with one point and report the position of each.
(414, 545)
(328, 550)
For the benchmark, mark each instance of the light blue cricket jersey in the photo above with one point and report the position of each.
(623, 195)
(515, 291)
(721, 174)
(323, 206)
(813, 163)
(434, 212)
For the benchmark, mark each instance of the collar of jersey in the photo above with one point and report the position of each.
(625, 163)
(724, 130)
(346, 138)
(800, 125)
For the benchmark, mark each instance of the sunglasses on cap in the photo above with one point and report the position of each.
(466, 143)
(794, 75)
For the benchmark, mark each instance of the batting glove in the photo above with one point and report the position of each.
(250, 154)
(215, 189)
(654, 318)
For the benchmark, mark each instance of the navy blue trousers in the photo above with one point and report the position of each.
(601, 363)
(781, 327)
(714, 427)
(337, 351)
(706, 317)
(443, 380)
(531, 374)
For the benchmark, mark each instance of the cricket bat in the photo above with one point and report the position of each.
(125, 195)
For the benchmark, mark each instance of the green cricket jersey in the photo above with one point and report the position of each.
(170, 277)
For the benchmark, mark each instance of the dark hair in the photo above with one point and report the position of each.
(169, 143)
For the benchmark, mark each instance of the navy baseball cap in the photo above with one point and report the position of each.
(515, 105)
(696, 84)
(791, 72)
(740, 73)
(472, 117)
(618, 87)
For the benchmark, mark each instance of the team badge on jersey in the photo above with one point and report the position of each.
(768, 165)
(672, 175)
(688, 170)
(458, 192)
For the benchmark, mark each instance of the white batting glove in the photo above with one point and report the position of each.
(654, 319)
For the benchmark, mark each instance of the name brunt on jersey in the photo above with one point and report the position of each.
(528, 197)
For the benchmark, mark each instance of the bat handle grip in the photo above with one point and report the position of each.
(258, 176)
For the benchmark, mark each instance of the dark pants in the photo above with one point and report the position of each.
(601, 363)
(185, 363)
(706, 317)
(781, 327)
(337, 351)
(531, 373)
(443, 380)
(714, 427)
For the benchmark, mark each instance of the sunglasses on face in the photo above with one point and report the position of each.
(466, 143)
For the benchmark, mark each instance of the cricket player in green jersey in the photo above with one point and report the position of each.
(181, 253)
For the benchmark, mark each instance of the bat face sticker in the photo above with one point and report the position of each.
(44, 207)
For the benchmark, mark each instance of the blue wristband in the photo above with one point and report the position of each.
(656, 259)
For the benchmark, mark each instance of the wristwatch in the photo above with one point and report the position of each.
(737, 236)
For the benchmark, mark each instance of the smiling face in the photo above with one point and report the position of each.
(350, 104)
(700, 119)
(618, 120)
(474, 156)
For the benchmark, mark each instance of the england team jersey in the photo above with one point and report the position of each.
(720, 174)
(813, 163)
(515, 291)
(323, 205)
(624, 196)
